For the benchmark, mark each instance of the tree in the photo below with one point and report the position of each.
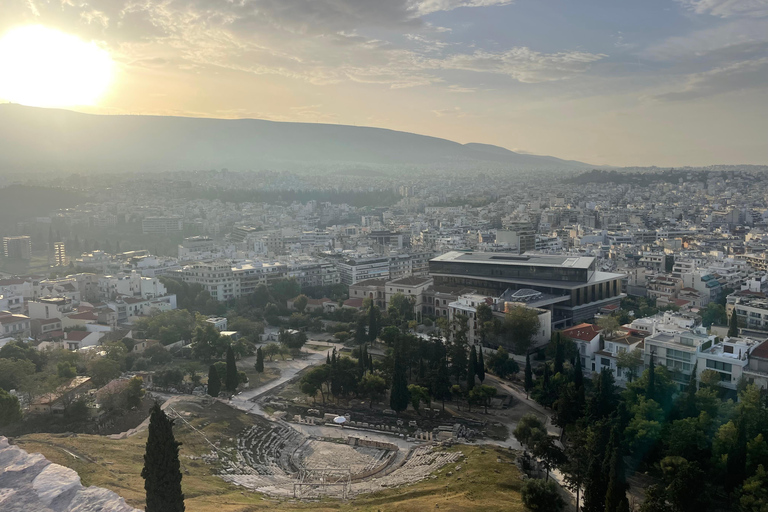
(214, 382)
(480, 365)
(10, 410)
(389, 334)
(294, 341)
(373, 386)
(231, 381)
(300, 303)
(714, 314)
(539, 495)
(134, 392)
(259, 365)
(103, 370)
(650, 390)
(733, 325)
(559, 354)
(576, 463)
(483, 315)
(162, 470)
(753, 496)
(417, 395)
(630, 361)
(342, 336)
(608, 324)
(501, 364)
(528, 374)
(482, 395)
(520, 325)
(271, 350)
(529, 429)
(373, 323)
(617, 481)
(312, 381)
(457, 350)
(398, 398)
(471, 368)
(442, 386)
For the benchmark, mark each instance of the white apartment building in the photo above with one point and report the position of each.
(357, 269)
(677, 352)
(162, 225)
(729, 358)
(13, 325)
(131, 285)
(49, 307)
(217, 278)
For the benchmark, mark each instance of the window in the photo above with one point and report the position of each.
(719, 365)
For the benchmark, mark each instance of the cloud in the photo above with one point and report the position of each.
(430, 6)
(737, 76)
(520, 63)
(728, 8)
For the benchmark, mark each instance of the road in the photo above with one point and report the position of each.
(288, 370)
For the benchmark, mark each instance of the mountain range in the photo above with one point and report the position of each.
(39, 139)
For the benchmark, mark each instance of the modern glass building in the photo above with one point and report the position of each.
(571, 287)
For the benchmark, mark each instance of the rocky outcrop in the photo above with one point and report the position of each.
(31, 482)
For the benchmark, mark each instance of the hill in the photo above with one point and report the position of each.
(37, 139)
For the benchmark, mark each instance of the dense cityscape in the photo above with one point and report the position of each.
(620, 317)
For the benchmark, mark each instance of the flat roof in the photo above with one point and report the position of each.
(497, 258)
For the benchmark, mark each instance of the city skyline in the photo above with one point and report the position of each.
(666, 83)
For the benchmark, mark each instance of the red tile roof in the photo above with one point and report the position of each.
(85, 315)
(760, 351)
(77, 335)
(583, 332)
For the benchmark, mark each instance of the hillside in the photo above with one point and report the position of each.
(36, 139)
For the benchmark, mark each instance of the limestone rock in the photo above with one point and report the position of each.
(31, 482)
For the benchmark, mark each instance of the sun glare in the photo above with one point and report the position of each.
(43, 67)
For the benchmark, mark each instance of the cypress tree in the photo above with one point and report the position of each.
(370, 363)
(162, 470)
(578, 373)
(443, 382)
(328, 358)
(650, 390)
(689, 407)
(480, 365)
(733, 325)
(596, 482)
(616, 492)
(471, 368)
(214, 382)
(559, 354)
(398, 398)
(231, 379)
(373, 323)
(259, 360)
(528, 374)
(422, 369)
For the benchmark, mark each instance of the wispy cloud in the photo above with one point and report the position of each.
(728, 8)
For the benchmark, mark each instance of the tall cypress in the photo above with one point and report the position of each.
(578, 373)
(559, 354)
(650, 390)
(373, 323)
(259, 360)
(370, 363)
(733, 325)
(471, 368)
(443, 382)
(596, 480)
(616, 492)
(231, 379)
(528, 374)
(162, 470)
(214, 382)
(328, 358)
(480, 365)
(398, 398)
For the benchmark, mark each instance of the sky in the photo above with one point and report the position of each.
(614, 82)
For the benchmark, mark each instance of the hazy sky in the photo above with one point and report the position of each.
(623, 82)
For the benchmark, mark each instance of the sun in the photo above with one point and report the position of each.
(43, 67)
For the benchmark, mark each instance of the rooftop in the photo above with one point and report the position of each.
(582, 262)
(583, 332)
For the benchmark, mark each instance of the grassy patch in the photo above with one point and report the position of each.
(487, 480)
